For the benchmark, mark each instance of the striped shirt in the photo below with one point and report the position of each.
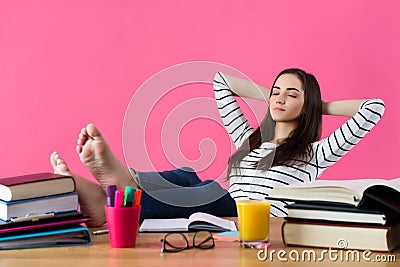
(250, 183)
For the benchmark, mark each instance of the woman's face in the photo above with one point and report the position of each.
(287, 98)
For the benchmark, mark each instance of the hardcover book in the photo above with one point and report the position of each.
(35, 185)
(38, 206)
(339, 213)
(335, 235)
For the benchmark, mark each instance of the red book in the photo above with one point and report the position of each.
(35, 185)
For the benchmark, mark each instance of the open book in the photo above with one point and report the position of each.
(375, 194)
(196, 222)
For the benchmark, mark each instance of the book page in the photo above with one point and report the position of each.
(356, 185)
(341, 191)
(160, 225)
(395, 183)
(205, 217)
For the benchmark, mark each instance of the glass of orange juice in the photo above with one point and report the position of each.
(253, 218)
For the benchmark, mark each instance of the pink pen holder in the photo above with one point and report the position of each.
(123, 225)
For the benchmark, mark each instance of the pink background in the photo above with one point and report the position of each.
(64, 64)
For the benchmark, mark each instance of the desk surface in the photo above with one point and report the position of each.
(147, 253)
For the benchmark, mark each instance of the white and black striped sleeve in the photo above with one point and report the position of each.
(336, 145)
(232, 116)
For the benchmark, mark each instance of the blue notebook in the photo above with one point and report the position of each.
(71, 236)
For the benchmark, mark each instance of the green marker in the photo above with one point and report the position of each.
(129, 196)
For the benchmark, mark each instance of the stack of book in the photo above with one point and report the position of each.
(355, 214)
(40, 210)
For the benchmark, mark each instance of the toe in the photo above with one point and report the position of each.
(81, 141)
(60, 161)
(93, 131)
(53, 158)
(62, 167)
(83, 137)
(84, 131)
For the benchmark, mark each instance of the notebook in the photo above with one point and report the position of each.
(71, 236)
(51, 221)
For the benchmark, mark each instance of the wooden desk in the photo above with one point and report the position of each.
(147, 253)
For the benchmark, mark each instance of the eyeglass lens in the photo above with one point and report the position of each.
(174, 242)
(203, 240)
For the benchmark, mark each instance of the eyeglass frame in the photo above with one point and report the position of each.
(188, 246)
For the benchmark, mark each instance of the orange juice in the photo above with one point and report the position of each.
(253, 219)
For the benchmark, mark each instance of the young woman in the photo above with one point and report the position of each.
(292, 154)
(283, 150)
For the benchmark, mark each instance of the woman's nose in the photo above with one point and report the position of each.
(280, 100)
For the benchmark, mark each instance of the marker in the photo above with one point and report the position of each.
(119, 198)
(110, 191)
(138, 196)
(129, 196)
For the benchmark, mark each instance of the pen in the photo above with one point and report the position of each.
(119, 198)
(129, 196)
(100, 232)
(110, 191)
(32, 217)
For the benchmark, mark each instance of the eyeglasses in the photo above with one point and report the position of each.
(175, 242)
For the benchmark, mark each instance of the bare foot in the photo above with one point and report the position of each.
(97, 156)
(91, 196)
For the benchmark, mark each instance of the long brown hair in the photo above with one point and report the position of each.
(297, 147)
